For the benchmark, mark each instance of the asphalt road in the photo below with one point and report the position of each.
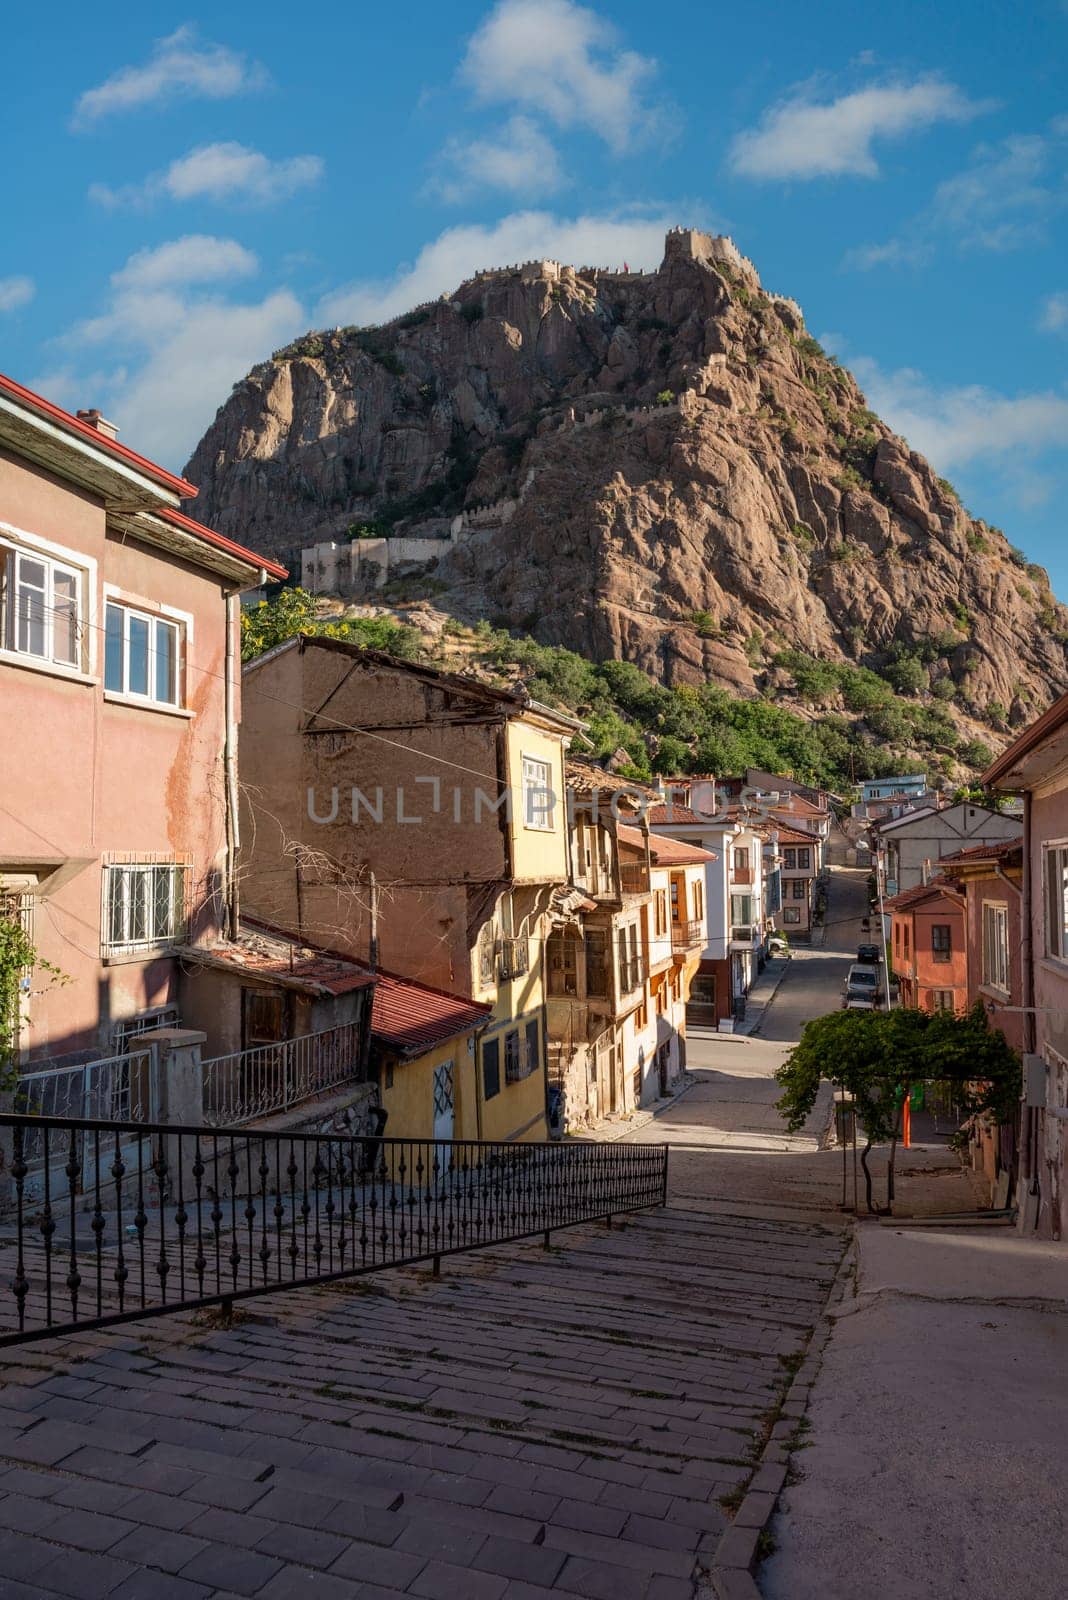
(729, 1143)
(814, 980)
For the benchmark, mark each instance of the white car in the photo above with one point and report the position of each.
(864, 983)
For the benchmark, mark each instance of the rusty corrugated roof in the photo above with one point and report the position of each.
(410, 1017)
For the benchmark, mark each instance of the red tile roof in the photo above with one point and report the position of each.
(663, 851)
(999, 850)
(659, 815)
(938, 888)
(795, 836)
(84, 430)
(221, 542)
(285, 961)
(181, 487)
(410, 1018)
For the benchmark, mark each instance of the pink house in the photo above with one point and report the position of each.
(1036, 767)
(119, 672)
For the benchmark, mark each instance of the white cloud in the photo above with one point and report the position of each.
(520, 159)
(16, 292)
(1003, 200)
(223, 171)
(1053, 317)
(170, 342)
(195, 258)
(181, 67)
(564, 61)
(800, 138)
(634, 237)
(957, 426)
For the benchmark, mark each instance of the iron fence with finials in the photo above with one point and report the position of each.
(135, 1219)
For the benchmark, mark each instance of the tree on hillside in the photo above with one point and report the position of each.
(877, 1057)
(295, 611)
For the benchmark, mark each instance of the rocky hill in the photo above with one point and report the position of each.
(670, 471)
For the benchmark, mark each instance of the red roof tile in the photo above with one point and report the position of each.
(937, 888)
(111, 447)
(276, 959)
(999, 850)
(221, 542)
(410, 1018)
(665, 852)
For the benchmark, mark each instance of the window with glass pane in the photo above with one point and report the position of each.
(40, 607)
(137, 654)
(166, 663)
(114, 650)
(538, 798)
(32, 628)
(597, 964)
(141, 655)
(996, 945)
(64, 616)
(144, 905)
(1057, 901)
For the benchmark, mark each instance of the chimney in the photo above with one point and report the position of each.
(96, 419)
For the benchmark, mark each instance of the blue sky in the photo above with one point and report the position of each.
(194, 190)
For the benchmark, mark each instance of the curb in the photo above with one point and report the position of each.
(730, 1574)
(633, 1125)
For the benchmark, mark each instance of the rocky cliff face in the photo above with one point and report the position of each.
(685, 480)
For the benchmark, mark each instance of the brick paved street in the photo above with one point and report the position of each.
(529, 1425)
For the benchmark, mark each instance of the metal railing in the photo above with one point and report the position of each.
(687, 935)
(117, 1088)
(182, 1217)
(272, 1077)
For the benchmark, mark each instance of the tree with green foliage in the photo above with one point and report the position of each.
(975, 753)
(294, 612)
(877, 1057)
(20, 965)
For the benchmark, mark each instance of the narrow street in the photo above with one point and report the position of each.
(728, 1141)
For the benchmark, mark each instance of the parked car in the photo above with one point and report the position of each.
(869, 953)
(864, 982)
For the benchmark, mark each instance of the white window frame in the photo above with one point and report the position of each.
(791, 916)
(538, 784)
(996, 945)
(154, 622)
(17, 547)
(1055, 860)
(130, 899)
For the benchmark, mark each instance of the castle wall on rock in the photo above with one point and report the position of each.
(354, 566)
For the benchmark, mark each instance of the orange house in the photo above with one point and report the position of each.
(928, 947)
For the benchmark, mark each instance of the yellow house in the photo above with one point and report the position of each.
(415, 818)
(424, 1055)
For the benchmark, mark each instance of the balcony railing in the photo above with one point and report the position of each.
(634, 877)
(254, 1083)
(687, 935)
(514, 958)
(743, 933)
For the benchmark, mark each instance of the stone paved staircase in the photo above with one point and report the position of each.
(531, 1426)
